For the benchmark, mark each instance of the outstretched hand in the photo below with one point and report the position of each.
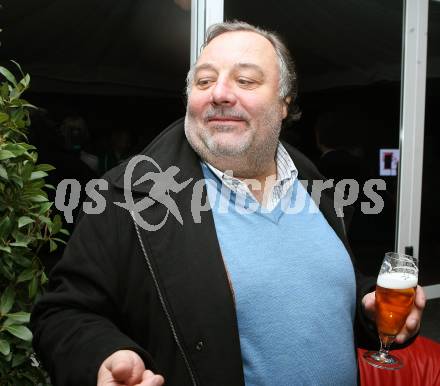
(126, 368)
(412, 323)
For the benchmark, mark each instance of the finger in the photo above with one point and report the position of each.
(408, 332)
(369, 305)
(147, 374)
(105, 377)
(369, 300)
(420, 300)
(122, 371)
(151, 379)
(412, 323)
(127, 367)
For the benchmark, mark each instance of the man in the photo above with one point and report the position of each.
(240, 294)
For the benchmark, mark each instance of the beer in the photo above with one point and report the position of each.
(395, 292)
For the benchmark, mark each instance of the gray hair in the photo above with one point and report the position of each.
(288, 85)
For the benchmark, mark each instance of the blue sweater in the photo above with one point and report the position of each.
(294, 289)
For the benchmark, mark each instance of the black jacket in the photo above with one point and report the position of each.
(164, 294)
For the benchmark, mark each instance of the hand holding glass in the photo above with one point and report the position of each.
(395, 293)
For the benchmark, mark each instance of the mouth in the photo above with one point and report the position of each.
(225, 120)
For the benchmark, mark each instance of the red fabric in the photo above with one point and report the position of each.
(421, 366)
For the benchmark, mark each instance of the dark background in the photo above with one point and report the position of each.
(121, 66)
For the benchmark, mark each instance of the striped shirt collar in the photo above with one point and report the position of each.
(286, 175)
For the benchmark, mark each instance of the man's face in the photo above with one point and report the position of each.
(234, 107)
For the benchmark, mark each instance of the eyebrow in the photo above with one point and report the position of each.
(252, 66)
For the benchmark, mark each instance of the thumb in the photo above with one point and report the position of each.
(127, 367)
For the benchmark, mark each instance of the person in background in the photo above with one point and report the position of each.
(339, 136)
(117, 150)
(76, 140)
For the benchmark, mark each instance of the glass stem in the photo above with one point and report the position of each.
(385, 343)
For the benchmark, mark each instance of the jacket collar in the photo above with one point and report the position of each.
(168, 149)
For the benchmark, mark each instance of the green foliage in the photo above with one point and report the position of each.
(26, 226)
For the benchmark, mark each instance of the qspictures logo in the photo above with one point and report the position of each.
(159, 184)
(163, 182)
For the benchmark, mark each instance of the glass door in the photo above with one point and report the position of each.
(349, 93)
(430, 212)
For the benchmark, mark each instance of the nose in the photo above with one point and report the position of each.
(223, 93)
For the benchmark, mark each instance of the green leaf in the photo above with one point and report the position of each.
(36, 186)
(26, 275)
(38, 198)
(21, 239)
(38, 174)
(49, 186)
(18, 359)
(23, 103)
(44, 167)
(3, 172)
(8, 75)
(5, 348)
(7, 273)
(24, 220)
(44, 278)
(27, 146)
(19, 102)
(33, 156)
(59, 240)
(25, 81)
(21, 244)
(56, 224)
(15, 94)
(53, 245)
(18, 180)
(65, 232)
(4, 90)
(5, 226)
(33, 287)
(16, 148)
(5, 248)
(3, 117)
(7, 300)
(20, 317)
(45, 220)
(6, 154)
(27, 170)
(18, 66)
(45, 207)
(22, 259)
(20, 332)
(8, 322)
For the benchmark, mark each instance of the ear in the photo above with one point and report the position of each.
(286, 103)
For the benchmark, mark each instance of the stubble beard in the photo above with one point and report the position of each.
(249, 157)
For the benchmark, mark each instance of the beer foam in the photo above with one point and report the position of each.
(397, 280)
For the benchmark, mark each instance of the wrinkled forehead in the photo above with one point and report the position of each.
(232, 48)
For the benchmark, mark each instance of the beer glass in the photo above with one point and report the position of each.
(395, 293)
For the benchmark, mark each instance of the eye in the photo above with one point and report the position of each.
(204, 83)
(246, 82)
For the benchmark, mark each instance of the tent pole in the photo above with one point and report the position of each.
(412, 120)
(203, 14)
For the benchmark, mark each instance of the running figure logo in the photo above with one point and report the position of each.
(163, 183)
